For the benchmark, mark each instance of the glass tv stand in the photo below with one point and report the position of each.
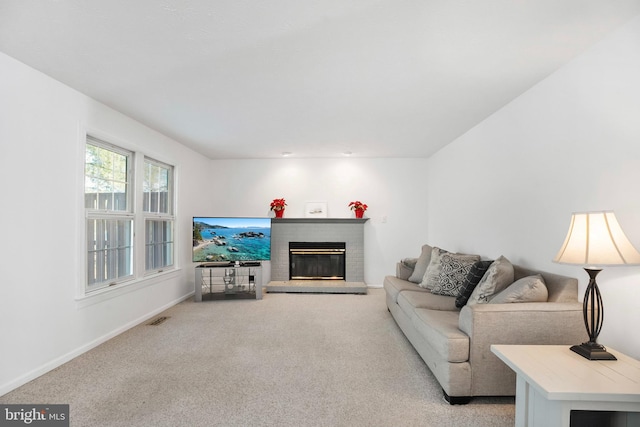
(228, 281)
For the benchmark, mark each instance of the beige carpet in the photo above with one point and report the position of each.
(286, 360)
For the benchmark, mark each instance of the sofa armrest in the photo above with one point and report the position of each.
(523, 323)
(546, 323)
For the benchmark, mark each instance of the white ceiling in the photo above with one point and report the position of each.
(255, 78)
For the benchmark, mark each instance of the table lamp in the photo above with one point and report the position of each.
(595, 239)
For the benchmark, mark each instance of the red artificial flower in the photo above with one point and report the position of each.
(278, 204)
(358, 205)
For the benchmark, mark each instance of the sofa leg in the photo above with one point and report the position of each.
(456, 400)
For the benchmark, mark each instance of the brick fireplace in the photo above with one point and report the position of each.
(347, 230)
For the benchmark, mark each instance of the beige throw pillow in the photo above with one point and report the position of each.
(421, 265)
(526, 289)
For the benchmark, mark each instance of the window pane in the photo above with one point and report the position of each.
(157, 187)
(109, 246)
(153, 201)
(158, 244)
(119, 196)
(105, 194)
(106, 178)
(119, 167)
(90, 193)
(163, 202)
(147, 177)
(146, 188)
(163, 180)
(93, 170)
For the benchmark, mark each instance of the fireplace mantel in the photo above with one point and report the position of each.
(319, 220)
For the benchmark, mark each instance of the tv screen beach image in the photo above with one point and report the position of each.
(231, 239)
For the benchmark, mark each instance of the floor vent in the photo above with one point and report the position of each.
(158, 321)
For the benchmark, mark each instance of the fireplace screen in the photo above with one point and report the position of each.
(316, 260)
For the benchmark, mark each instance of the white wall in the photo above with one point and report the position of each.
(42, 324)
(392, 188)
(571, 143)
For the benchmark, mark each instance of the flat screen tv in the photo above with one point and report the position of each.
(219, 239)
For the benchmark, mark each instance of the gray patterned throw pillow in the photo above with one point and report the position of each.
(453, 272)
(430, 276)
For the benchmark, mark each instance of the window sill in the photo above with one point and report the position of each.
(116, 291)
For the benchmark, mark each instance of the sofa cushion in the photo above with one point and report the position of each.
(498, 277)
(526, 289)
(454, 269)
(393, 286)
(410, 300)
(440, 330)
(421, 264)
(471, 281)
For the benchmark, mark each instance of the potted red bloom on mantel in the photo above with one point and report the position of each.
(277, 206)
(358, 208)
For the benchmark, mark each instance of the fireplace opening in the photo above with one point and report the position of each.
(317, 260)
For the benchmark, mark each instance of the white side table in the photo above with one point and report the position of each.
(552, 381)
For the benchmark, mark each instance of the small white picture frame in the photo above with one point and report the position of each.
(315, 210)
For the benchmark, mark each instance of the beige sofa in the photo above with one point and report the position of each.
(455, 343)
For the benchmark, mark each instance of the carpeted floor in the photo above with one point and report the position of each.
(286, 360)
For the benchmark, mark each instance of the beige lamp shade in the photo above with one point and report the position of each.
(596, 238)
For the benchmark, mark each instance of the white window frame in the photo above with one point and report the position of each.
(89, 294)
(110, 215)
(162, 215)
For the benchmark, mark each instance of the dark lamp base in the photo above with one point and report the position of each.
(593, 351)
